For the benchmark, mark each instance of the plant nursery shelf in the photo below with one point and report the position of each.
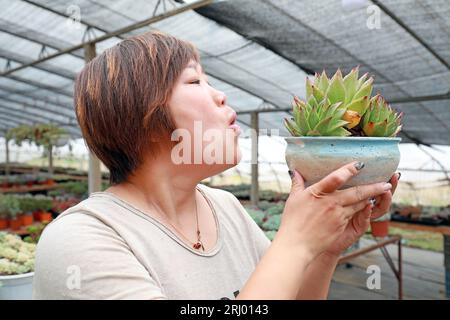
(25, 189)
(419, 227)
(23, 231)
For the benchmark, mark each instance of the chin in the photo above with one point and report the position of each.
(217, 168)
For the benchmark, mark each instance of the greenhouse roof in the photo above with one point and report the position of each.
(257, 52)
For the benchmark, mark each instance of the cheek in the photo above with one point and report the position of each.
(188, 106)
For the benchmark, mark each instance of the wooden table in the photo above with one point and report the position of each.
(25, 189)
(381, 244)
(444, 230)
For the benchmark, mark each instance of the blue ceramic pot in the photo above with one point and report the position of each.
(316, 157)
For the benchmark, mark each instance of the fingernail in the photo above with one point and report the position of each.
(291, 174)
(387, 186)
(399, 175)
(359, 165)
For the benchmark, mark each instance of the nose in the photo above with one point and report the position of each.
(220, 98)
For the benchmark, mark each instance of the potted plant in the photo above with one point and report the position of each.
(27, 206)
(20, 134)
(44, 205)
(49, 135)
(4, 183)
(11, 205)
(380, 226)
(4, 213)
(16, 267)
(35, 232)
(340, 122)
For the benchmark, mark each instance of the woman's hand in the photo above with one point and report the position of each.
(383, 202)
(360, 222)
(316, 217)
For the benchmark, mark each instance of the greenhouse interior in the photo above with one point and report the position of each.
(270, 58)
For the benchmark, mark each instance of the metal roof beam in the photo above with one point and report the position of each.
(55, 99)
(15, 121)
(391, 101)
(445, 96)
(41, 86)
(37, 110)
(42, 108)
(129, 28)
(10, 124)
(411, 33)
(43, 66)
(41, 118)
(46, 8)
(37, 37)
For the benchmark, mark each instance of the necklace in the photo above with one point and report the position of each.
(197, 245)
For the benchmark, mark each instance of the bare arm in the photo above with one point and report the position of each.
(279, 273)
(309, 226)
(317, 278)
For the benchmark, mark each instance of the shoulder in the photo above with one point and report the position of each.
(80, 245)
(72, 237)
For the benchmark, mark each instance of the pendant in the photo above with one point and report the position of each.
(199, 245)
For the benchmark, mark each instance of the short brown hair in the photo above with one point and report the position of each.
(121, 99)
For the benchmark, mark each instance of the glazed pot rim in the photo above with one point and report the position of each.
(343, 138)
(17, 276)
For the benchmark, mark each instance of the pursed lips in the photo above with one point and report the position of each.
(233, 125)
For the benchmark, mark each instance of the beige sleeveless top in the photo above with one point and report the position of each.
(104, 248)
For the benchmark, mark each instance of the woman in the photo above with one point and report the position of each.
(157, 233)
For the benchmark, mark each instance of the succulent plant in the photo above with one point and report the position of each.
(9, 206)
(257, 216)
(264, 205)
(27, 203)
(4, 211)
(44, 203)
(273, 223)
(351, 92)
(313, 118)
(342, 106)
(275, 209)
(380, 120)
(16, 256)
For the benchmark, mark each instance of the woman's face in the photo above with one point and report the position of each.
(205, 122)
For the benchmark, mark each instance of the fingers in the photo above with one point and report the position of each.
(337, 178)
(394, 181)
(350, 210)
(382, 206)
(384, 201)
(359, 193)
(361, 220)
(298, 183)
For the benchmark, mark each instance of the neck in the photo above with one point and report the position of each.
(161, 187)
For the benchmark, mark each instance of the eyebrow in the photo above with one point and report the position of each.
(194, 66)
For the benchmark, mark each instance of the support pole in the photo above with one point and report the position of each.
(94, 174)
(7, 158)
(50, 160)
(254, 191)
